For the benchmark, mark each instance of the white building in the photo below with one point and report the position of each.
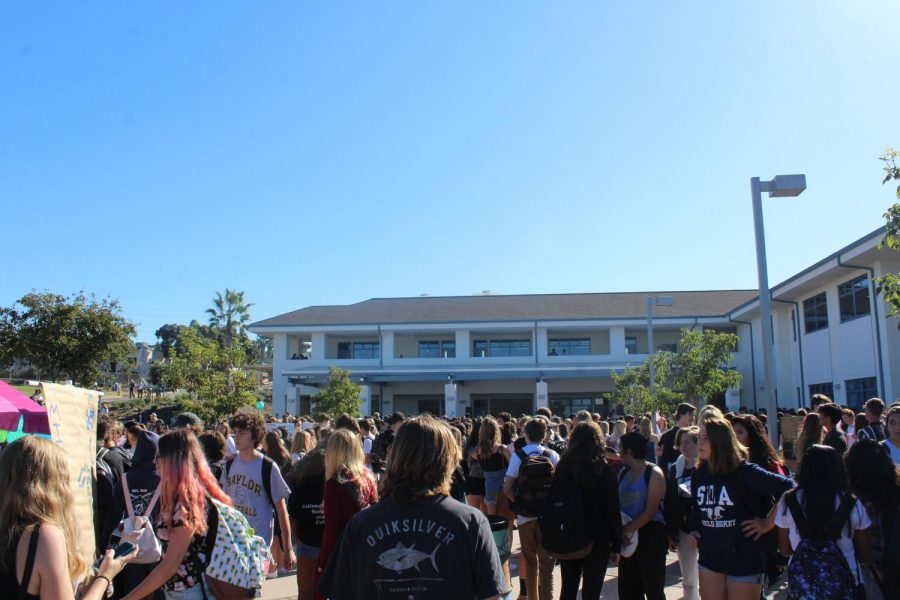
(491, 353)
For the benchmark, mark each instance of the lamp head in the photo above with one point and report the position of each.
(784, 186)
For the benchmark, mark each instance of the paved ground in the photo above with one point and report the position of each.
(285, 588)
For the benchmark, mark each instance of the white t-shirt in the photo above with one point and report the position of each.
(894, 450)
(515, 462)
(229, 445)
(859, 519)
(367, 445)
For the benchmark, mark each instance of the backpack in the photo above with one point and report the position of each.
(565, 531)
(818, 568)
(380, 446)
(237, 560)
(871, 433)
(533, 483)
(139, 529)
(266, 475)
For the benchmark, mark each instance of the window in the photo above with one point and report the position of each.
(570, 347)
(667, 347)
(853, 298)
(365, 350)
(815, 313)
(435, 349)
(344, 350)
(495, 348)
(630, 345)
(826, 389)
(860, 390)
(570, 406)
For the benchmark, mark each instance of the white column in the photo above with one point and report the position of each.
(541, 398)
(541, 344)
(617, 341)
(463, 344)
(450, 404)
(365, 400)
(280, 348)
(387, 346)
(292, 406)
(317, 350)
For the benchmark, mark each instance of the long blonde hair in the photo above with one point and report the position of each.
(302, 442)
(344, 458)
(34, 477)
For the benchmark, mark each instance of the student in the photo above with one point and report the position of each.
(726, 490)
(678, 508)
(584, 462)
(830, 416)
(821, 509)
(40, 555)
(349, 488)
(382, 443)
(646, 430)
(307, 480)
(300, 445)
(214, 449)
(417, 538)
(186, 483)
(684, 417)
(273, 447)
(261, 502)
(475, 483)
(811, 433)
(751, 433)
(642, 487)
(892, 434)
(875, 481)
(538, 564)
(225, 429)
(873, 430)
(491, 455)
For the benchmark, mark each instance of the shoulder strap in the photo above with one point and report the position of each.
(523, 456)
(793, 505)
(127, 493)
(547, 453)
(228, 464)
(29, 562)
(102, 452)
(267, 478)
(842, 515)
(648, 471)
(623, 472)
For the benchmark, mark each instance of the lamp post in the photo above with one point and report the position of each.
(651, 302)
(781, 186)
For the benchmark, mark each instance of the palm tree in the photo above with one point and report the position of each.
(230, 314)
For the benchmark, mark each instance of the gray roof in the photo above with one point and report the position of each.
(450, 309)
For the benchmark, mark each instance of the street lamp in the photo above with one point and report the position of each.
(651, 302)
(782, 186)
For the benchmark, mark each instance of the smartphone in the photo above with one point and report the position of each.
(123, 549)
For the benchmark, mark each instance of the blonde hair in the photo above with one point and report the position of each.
(646, 430)
(344, 456)
(34, 477)
(604, 427)
(302, 442)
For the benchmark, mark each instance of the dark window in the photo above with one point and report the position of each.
(815, 313)
(365, 350)
(344, 350)
(570, 347)
(860, 390)
(853, 298)
(667, 347)
(495, 348)
(570, 406)
(826, 389)
(435, 349)
(630, 345)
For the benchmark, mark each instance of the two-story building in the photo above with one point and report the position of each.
(491, 353)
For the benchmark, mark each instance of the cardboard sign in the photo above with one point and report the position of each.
(72, 413)
(790, 428)
(273, 426)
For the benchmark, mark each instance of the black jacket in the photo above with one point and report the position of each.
(142, 478)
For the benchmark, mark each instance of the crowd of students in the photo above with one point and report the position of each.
(409, 507)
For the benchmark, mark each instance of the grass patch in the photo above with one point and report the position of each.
(28, 390)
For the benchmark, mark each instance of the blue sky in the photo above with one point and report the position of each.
(325, 153)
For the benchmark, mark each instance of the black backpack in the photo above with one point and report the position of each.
(533, 483)
(380, 446)
(565, 531)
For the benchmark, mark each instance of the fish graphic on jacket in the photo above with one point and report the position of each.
(401, 558)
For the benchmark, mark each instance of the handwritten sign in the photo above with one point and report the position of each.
(72, 413)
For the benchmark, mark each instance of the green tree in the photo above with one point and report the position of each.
(230, 314)
(341, 395)
(632, 386)
(213, 376)
(74, 336)
(700, 368)
(167, 337)
(888, 285)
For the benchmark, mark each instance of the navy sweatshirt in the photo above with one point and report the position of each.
(721, 504)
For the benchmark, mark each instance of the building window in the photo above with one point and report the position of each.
(435, 349)
(815, 313)
(344, 350)
(667, 347)
(860, 390)
(826, 389)
(570, 347)
(631, 345)
(495, 348)
(853, 298)
(365, 350)
(570, 406)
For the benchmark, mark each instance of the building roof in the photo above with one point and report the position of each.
(492, 308)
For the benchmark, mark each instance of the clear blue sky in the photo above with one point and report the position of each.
(329, 152)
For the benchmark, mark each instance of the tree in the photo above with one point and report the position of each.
(888, 285)
(230, 314)
(632, 387)
(341, 395)
(74, 336)
(167, 337)
(213, 376)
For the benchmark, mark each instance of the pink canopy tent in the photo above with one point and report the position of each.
(15, 404)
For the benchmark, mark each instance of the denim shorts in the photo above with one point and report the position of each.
(493, 483)
(306, 551)
(757, 578)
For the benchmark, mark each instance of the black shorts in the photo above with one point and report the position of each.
(475, 486)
